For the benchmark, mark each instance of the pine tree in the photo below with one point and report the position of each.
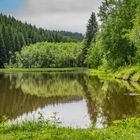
(5, 38)
(92, 29)
(11, 41)
(2, 51)
(17, 44)
(21, 40)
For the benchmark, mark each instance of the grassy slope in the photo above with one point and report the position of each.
(129, 73)
(125, 73)
(121, 130)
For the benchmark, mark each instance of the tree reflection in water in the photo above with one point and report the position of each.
(106, 100)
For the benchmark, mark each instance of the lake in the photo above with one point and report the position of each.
(75, 99)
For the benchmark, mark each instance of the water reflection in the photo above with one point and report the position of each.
(112, 100)
(79, 100)
(17, 96)
(72, 114)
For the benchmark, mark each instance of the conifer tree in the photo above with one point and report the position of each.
(2, 51)
(92, 29)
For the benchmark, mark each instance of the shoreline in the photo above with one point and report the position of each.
(76, 69)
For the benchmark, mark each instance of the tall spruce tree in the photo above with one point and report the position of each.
(2, 51)
(92, 29)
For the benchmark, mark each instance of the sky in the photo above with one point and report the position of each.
(69, 15)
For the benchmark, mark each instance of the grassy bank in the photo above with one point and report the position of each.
(74, 69)
(129, 73)
(125, 73)
(42, 130)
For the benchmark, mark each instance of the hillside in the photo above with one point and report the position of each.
(14, 35)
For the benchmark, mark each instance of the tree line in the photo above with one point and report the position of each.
(49, 55)
(14, 35)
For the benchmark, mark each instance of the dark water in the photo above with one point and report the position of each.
(77, 100)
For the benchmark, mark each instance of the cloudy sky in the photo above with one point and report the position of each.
(70, 15)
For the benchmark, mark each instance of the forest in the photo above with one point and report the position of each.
(14, 35)
(113, 43)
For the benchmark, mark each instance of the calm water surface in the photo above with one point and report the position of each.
(77, 100)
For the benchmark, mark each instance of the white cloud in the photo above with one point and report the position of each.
(69, 15)
(69, 22)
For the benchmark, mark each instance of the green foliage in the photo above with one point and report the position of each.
(135, 36)
(95, 54)
(54, 55)
(128, 73)
(118, 49)
(106, 9)
(2, 51)
(92, 29)
(131, 73)
(136, 76)
(14, 35)
(115, 45)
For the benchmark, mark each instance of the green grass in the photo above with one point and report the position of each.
(44, 69)
(43, 130)
(125, 73)
(102, 74)
(136, 76)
